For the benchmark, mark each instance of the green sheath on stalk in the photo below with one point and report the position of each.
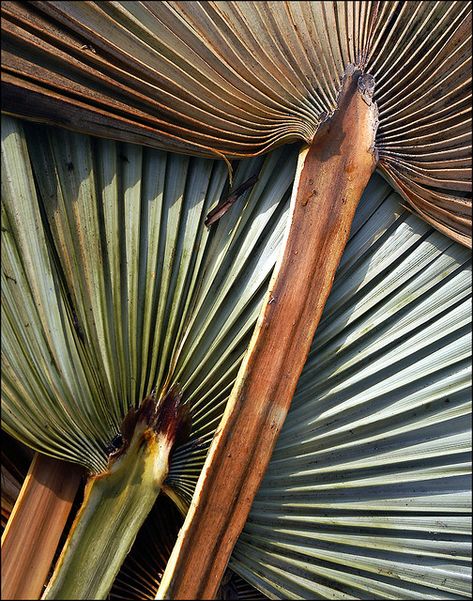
(117, 502)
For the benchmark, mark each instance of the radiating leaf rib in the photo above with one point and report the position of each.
(367, 490)
(418, 163)
(239, 78)
(322, 208)
(142, 570)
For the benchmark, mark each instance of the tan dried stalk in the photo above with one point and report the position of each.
(332, 174)
(32, 534)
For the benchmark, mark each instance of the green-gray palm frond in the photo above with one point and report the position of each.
(113, 286)
(368, 489)
(238, 78)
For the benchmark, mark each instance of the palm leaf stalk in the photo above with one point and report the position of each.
(35, 526)
(368, 491)
(292, 93)
(117, 502)
(16, 460)
(322, 208)
(85, 371)
(143, 568)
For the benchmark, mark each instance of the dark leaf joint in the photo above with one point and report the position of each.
(169, 416)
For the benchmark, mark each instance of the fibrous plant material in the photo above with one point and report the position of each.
(330, 180)
(160, 74)
(143, 568)
(32, 534)
(239, 78)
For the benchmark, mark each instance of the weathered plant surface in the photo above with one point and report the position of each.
(238, 78)
(117, 501)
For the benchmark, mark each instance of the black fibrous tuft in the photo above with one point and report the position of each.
(115, 444)
(173, 416)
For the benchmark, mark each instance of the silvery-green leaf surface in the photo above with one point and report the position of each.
(367, 494)
(112, 286)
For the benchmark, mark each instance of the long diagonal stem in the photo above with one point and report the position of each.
(332, 174)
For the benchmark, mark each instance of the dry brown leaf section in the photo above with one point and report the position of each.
(238, 78)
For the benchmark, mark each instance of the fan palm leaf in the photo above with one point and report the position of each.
(110, 271)
(367, 493)
(239, 78)
(99, 321)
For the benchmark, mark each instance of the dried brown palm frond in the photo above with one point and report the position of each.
(238, 78)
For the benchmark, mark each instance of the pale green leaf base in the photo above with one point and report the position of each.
(114, 508)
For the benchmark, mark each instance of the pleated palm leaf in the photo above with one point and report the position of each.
(368, 492)
(113, 288)
(237, 79)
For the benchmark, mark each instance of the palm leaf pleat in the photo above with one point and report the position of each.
(368, 491)
(113, 287)
(239, 78)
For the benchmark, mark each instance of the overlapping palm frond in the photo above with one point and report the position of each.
(239, 78)
(368, 489)
(113, 286)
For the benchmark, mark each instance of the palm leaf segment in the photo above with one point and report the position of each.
(113, 286)
(238, 78)
(368, 491)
